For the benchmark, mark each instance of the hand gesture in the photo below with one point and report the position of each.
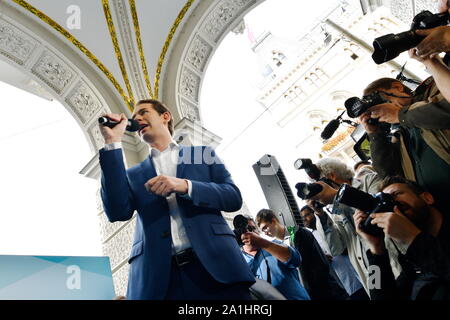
(165, 185)
(114, 134)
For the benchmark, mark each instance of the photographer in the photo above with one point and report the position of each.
(318, 278)
(274, 262)
(421, 234)
(340, 266)
(421, 148)
(339, 231)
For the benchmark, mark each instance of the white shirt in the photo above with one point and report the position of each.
(165, 163)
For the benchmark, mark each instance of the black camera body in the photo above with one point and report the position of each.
(309, 190)
(306, 191)
(380, 202)
(389, 46)
(356, 106)
(240, 224)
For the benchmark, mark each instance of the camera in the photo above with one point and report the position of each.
(389, 46)
(380, 202)
(240, 224)
(310, 168)
(356, 106)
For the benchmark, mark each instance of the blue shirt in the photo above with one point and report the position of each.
(284, 275)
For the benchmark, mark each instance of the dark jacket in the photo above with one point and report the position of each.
(421, 151)
(426, 269)
(315, 269)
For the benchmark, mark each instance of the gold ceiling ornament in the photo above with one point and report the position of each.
(334, 142)
(167, 44)
(137, 31)
(42, 16)
(115, 41)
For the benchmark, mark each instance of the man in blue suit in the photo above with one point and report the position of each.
(183, 248)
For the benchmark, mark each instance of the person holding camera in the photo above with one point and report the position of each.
(318, 278)
(340, 266)
(338, 228)
(420, 148)
(273, 262)
(421, 235)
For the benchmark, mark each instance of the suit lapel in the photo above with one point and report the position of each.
(148, 169)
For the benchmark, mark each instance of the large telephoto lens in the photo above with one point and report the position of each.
(356, 199)
(308, 190)
(389, 46)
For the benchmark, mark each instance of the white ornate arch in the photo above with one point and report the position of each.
(201, 35)
(58, 68)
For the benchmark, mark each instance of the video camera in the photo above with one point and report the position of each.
(389, 46)
(380, 202)
(240, 224)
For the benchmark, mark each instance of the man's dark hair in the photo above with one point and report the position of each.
(306, 207)
(417, 189)
(360, 163)
(159, 107)
(384, 83)
(265, 215)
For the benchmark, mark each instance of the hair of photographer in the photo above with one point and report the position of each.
(414, 186)
(386, 84)
(336, 170)
(360, 164)
(269, 223)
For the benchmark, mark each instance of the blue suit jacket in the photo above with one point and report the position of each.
(213, 190)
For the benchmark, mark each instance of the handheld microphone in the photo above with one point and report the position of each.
(132, 125)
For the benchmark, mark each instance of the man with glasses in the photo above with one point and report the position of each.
(420, 148)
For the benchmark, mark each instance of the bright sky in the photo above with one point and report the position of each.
(46, 207)
(228, 102)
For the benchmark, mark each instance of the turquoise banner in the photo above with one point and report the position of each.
(55, 278)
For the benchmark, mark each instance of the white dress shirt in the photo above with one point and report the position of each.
(165, 163)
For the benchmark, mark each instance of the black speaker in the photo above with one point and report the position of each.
(277, 191)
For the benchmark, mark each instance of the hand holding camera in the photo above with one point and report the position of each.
(375, 243)
(396, 225)
(436, 40)
(318, 191)
(386, 112)
(380, 202)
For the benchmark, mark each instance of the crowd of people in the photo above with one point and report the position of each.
(184, 249)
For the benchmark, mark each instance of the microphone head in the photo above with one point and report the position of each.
(330, 129)
(133, 125)
(102, 120)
